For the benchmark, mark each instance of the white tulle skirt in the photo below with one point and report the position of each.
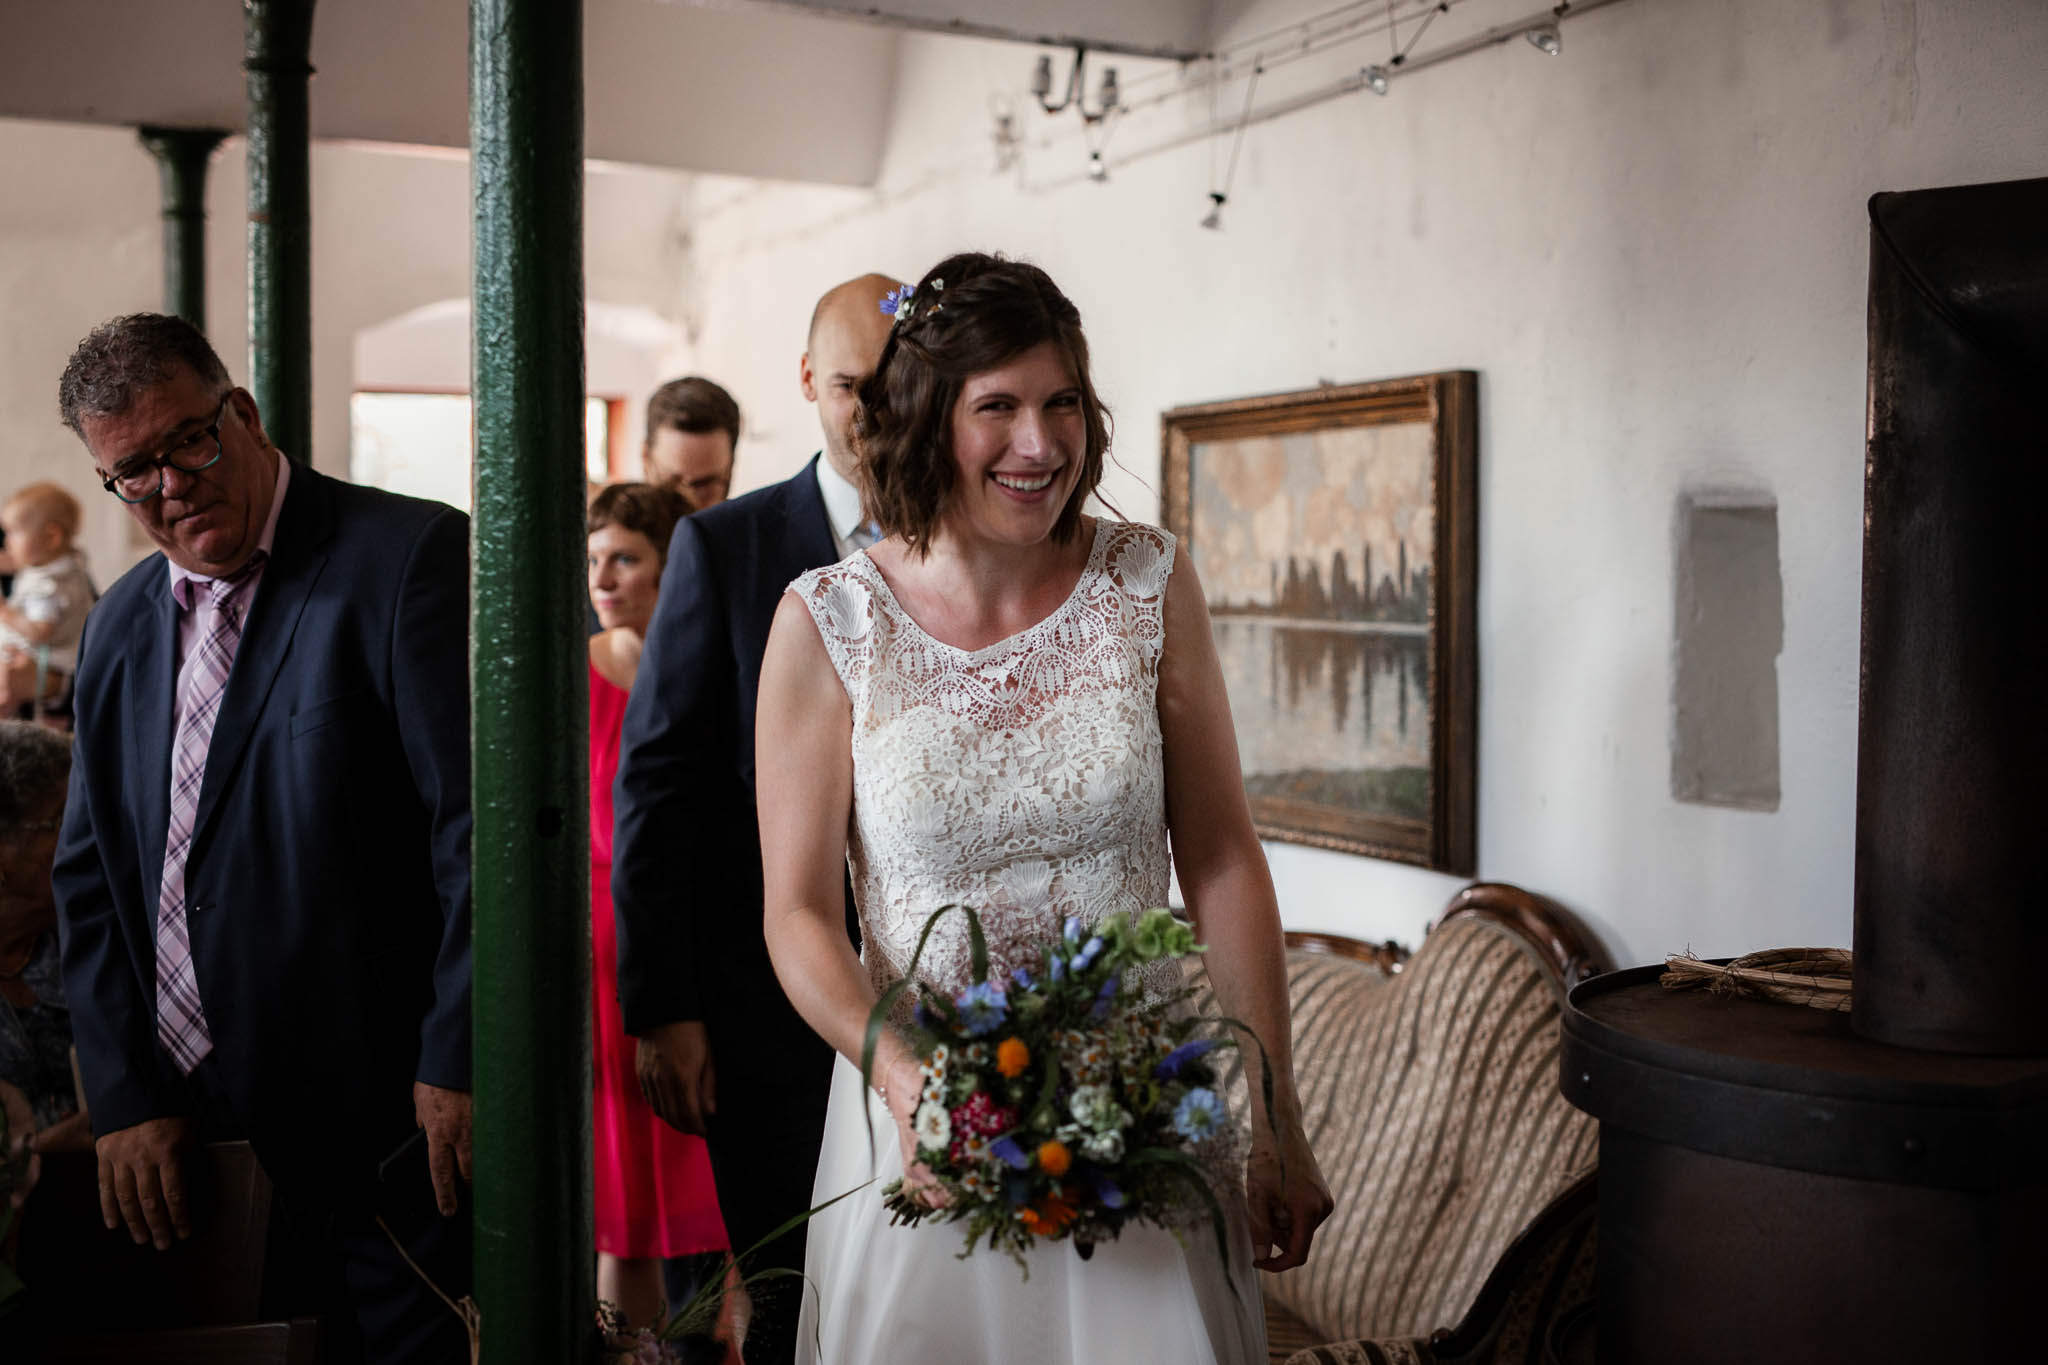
(883, 1295)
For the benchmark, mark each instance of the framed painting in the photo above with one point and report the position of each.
(1336, 534)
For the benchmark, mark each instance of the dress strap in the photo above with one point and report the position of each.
(846, 609)
(1138, 560)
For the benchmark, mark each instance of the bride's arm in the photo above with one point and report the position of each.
(803, 781)
(1230, 894)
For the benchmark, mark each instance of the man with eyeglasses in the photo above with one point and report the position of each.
(263, 875)
(693, 427)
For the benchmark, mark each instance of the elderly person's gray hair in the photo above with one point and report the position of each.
(130, 353)
(35, 765)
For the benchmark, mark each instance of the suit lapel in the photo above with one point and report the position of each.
(298, 554)
(807, 531)
(151, 662)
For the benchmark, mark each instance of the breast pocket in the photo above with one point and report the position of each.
(324, 714)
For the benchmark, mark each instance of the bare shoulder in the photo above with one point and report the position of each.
(1187, 610)
(800, 687)
(797, 660)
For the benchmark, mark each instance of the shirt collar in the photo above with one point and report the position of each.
(842, 500)
(181, 576)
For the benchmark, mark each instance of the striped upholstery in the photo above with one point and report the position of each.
(1433, 1105)
(1368, 1353)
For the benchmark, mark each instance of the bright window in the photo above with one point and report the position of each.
(419, 443)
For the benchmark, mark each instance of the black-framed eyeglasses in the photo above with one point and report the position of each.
(141, 477)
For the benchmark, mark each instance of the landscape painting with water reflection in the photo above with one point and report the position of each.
(1317, 545)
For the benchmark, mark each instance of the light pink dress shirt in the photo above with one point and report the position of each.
(193, 621)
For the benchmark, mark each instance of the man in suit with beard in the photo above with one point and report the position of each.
(721, 1051)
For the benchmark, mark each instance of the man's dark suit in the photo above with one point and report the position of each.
(328, 881)
(686, 864)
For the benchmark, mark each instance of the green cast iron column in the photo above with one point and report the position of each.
(181, 157)
(529, 685)
(278, 40)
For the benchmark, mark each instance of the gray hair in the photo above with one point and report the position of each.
(127, 354)
(35, 765)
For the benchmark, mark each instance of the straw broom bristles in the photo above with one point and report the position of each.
(1814, 977)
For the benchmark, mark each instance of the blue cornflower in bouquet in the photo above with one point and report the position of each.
(1192, 1050)
(1199, 1115)
(982, 1008)
(1062, 1098)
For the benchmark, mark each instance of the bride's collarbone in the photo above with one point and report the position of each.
(973, 611)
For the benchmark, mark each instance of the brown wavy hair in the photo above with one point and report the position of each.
(652, 509)
(971, 313)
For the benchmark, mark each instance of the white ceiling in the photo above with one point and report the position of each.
(778, 95)
(1145, 28)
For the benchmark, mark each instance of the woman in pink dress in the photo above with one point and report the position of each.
(654, 1193)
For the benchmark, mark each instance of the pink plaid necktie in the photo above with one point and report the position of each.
(180, 1022)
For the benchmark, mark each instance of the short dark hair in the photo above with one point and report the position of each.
(127, 354)
(693, 404)
(988, 312)
(652, 509)
(35, 765)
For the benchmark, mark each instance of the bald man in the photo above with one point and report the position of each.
(721, 1052)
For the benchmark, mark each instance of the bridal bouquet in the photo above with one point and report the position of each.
(1060, 1103)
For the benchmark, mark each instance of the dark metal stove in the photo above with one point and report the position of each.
(1779, 1183)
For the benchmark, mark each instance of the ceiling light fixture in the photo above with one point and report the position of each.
(1546, 38)
(1107, 100)
(1375, 78)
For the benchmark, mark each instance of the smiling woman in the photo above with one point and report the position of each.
(987, 356)
(1012, 706)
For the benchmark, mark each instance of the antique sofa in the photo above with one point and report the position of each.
(1463, 1181)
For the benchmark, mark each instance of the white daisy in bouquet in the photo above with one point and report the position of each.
(1065, 1102)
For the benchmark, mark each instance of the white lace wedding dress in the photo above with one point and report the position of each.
(1023, 779)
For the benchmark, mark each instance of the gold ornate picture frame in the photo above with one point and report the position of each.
(1336, 534)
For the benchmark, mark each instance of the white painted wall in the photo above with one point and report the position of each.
(1653, 250)
(81, 240)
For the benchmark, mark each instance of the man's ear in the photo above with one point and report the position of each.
(807, 379)
(244, 404)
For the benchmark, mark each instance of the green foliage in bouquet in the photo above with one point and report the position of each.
(1062, 1103)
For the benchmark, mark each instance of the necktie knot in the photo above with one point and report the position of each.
(223, 590)
(866, 534)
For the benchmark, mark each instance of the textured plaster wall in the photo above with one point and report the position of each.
(1652, 249)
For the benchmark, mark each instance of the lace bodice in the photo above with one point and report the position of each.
(1022, 779)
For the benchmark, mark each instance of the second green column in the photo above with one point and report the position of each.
(530, 691)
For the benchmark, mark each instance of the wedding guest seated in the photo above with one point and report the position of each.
(44, 614)
(654, 1194)
(35, 1025)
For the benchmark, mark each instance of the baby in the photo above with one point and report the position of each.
(52, 593)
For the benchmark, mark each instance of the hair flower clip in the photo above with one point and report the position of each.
(899, 304)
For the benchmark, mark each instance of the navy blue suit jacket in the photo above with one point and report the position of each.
(328, 884)
(686, 858)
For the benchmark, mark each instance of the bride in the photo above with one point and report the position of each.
(1011, 705)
